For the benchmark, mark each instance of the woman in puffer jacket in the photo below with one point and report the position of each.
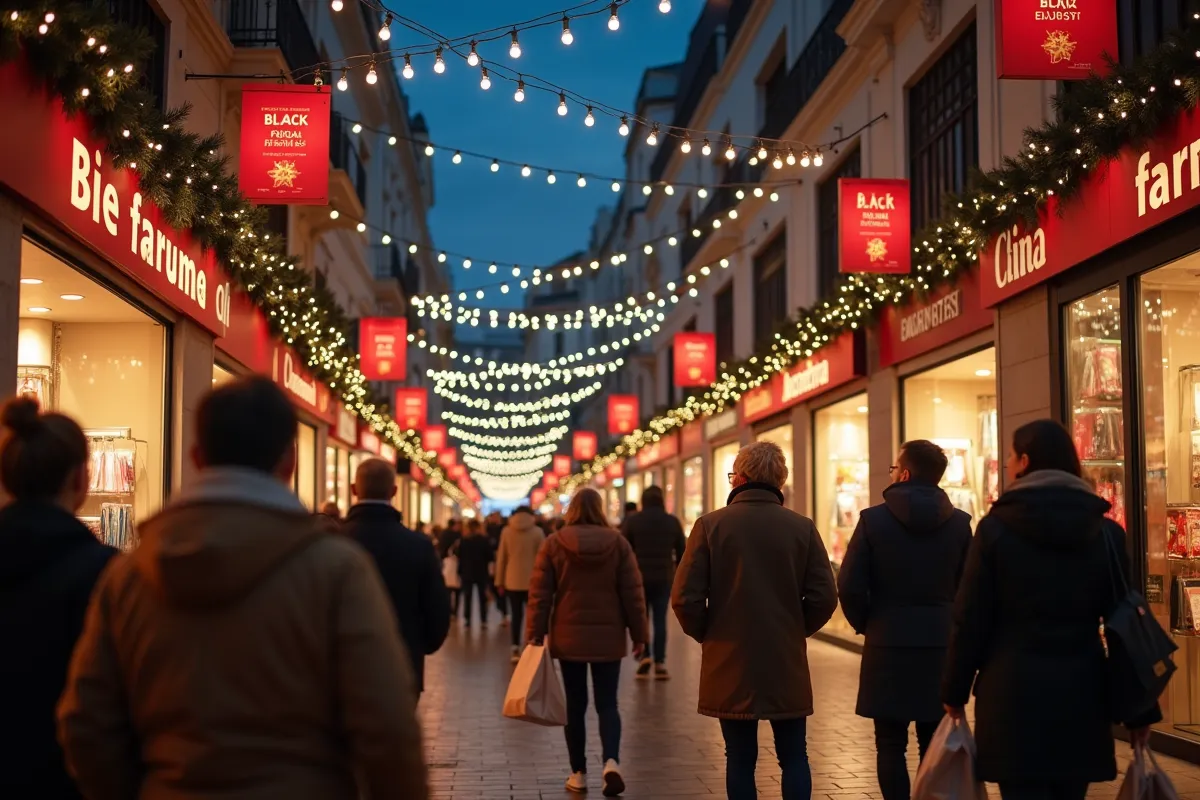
(515, 556)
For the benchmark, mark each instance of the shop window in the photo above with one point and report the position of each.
(633, 491)
(616, 509)
(722, 461)
(841, 472)
(331, 478)
(827, 222)
(305, 476)
(723, 327)
(954, 406)
(669, 494)
(89, 353)
(943, 133)
(693, 491)
(345, 478)
(1142, 25)
(427, 507)
(770, 290)
(222, 376)
(782, 436)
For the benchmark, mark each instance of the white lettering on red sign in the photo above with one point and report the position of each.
(1016, 256)
(931, 316)
(804, 381)
(1167, 184)
(295, 383)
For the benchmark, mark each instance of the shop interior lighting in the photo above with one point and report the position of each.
(70, 297)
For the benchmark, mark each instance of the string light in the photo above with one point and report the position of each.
(664, 6)
(439, 64)
(337, 5)
(550, 177)
(514, 50)
(706, 148)
(589, 120)
(818, 159)
(519, 95)
(686, 146)
(408, 68)
(730, 153)
(526, 171)
(372, 75)
(385, 32)
(342, 83)
(456, 158)
(652, 138)
(581, 182)
(473, 56)
(567, 37)
(623, 129)
(562, 104)
(616, 186)
(495, 166)
(485, 83)
(614, 22)
(805, 159)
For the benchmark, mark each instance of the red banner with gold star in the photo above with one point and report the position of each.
(285, 144)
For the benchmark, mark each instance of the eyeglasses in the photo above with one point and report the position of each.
(893, 468)
(731, 476)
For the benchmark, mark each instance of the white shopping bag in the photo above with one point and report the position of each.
(535, 693)
(948, 769)
(450, 572)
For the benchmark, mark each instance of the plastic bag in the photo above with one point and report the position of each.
(948, 770)
(1145, 780)
(535, 693)
(450, 572)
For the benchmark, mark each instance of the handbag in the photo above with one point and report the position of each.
(1137, 648)
(947, 771)
(535, 693)
(1145, 780)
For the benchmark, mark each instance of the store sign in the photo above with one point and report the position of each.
(622, 413)
(583, 445)
(537, 497)
(416, 473)
(653, 453)
(346, 428)
(457, 472)
(447, 459)
(368, 441)
(433, 438)
(58, 164)
(1143, 187)
(383, 344)
(719, 424)
(695, 356)
(562, 466)
(691, 438)
(874, 229)
(305, 391)
(387, 452)
(411, 408)
(1054, 40)
(836, 363)
(549, 480)
(284, 155)
(946, 315)
(615, 470)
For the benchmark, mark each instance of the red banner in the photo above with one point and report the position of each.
(457, 472)
(447, 459)
(416, 473)
(622, 413)
(1054, 40)
(691, 438)
(383, 343)
(434, 438)
(368, 440)
(583, 445)
(412, 408)
(873, 225)
(562, 466)
(537, 497)
(834, 364)
(947, 314)
(651, 454)
(695, 359)
(549, 480)
(615, 470)
(284, 156)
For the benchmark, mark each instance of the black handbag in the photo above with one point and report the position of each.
(1136, 646)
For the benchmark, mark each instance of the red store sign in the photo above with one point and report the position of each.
(691, 438)
(946, 315)
(412, 408)
(284, 156)
(447, 458)
(562, 466)
(651, 454)
(615, 470)
(622, 413)
(383, 343)
(369, 441)
(583, 445)
(836, 363)
(346, 428)
(873, 226)
(695, 356)
(1054, 40)
(434, 438)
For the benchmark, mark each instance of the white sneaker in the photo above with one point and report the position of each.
(577, 783)
(614, 784)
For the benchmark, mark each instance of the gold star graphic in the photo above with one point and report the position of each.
(876, 249)
(1058, 46)
(284, 173)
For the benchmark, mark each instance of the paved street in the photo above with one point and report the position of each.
(667, 751)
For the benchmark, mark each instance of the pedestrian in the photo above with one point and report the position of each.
(494, 527)
(51, 564)
(420, 528)
(448, 538)
(586, 593)
(1039, 579)
(658, 542)
(406, 560)
(474, 558)
(331, 510)
(329, 518)
(897, 585)
(240, 652)
(515, 558)
(754, 583)
(630, 509)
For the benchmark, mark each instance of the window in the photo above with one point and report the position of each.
(943, 136)
(770, 289)
(140, 14)
(1143, 24)
(724, 324)
(827, 222)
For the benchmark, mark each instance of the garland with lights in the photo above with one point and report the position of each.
(91, 63)
(1099, 118)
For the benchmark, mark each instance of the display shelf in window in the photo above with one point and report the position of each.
(109, 508)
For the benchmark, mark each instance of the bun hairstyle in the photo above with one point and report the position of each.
(38, 452)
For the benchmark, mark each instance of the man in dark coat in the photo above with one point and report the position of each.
(658, 542)
(407, 562)
(897, 585)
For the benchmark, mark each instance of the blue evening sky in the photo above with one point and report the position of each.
(503, 216)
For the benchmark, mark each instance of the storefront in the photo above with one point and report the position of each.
(342, 441)
(724, 438)
(649, 462)
(614, 494)
(841, 471)
(691, 451)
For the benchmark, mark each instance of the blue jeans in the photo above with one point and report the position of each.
(605, 676)
(741, 756)
(658, 598)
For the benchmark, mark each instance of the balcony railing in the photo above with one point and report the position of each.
(344, 156)
(272, 23)
(805, 77)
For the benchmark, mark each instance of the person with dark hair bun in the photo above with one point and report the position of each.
(50, 565)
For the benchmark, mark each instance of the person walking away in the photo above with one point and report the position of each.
(754, 583)
(586, 593)
(51, 564)
(494, 529)
(448, 538)
(239, 652)
(474, 557)
(406, 560)
(630, 509)
(658, 542)
(897, 585)
(515, 557)
(1038, 580)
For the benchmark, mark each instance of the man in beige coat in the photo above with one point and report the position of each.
(240, 653)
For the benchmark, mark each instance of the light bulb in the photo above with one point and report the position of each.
(706, 148)
(778, 162)
(407, 72)
(562, 104)
(624, 127)
(616, 186)
(614, 23)
(519, 94)
(702, 193)
(514, 51)
(664, 6)
(686, 147)
(589, 120)
(485, 82)
(361, 227)
(818, 159)
(550, 177)
(652, 139)
(385, 32)
(805, 160)
(342, 83)
(457, 157)
(762, 152)
(372, 75)
(582, 182)
(730, 153)
(337, 5)
(646, 190)
(567, 36)
(429, 150)
(526, 171)
(669, 189)
(791, 158)
(439, 65)
(473, 57)
(495, 165)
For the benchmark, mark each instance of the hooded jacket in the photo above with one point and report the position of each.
(586, 592)
(241, 654)
(515, 557)
(658, 542)
(897, 585)
(49, 566)
(1026, 634)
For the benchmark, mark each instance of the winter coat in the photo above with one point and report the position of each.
(241, 654)
(754, 583)
(897, 585)
(519, 544)
(446, 541)
(49, 566)
(474, 556)
(411, 573)
(586, 592)
(658, 542)
(1026, 620)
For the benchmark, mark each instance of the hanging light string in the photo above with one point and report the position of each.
(508, 455)
(542, 378)
(551, 436)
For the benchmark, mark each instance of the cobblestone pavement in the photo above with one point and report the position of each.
(667, 750)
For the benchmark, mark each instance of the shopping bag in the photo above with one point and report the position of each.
(948, 770)
(1144, 780)
(450, 572)
(535, 693)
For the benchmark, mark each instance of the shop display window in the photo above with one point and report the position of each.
(841, 474)
(722, 461)
(954, 406)
(693, 492)
(345, 478)
(305, 475)
(87, 352)
(782, 436)
(633, 490)
(427, 507)
(413, 512)
(613, 505)
(331, 477)
(222, 376)
(668, 479)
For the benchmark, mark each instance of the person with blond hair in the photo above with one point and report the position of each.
(754, 584)
(586, 593)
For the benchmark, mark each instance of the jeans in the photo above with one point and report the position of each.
(741, 756)
(516, 604)
(891, 743)
(658, 598)
(455, 595)
(605, 676)
(501, 602)
(1043, 791)
(480, 589)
